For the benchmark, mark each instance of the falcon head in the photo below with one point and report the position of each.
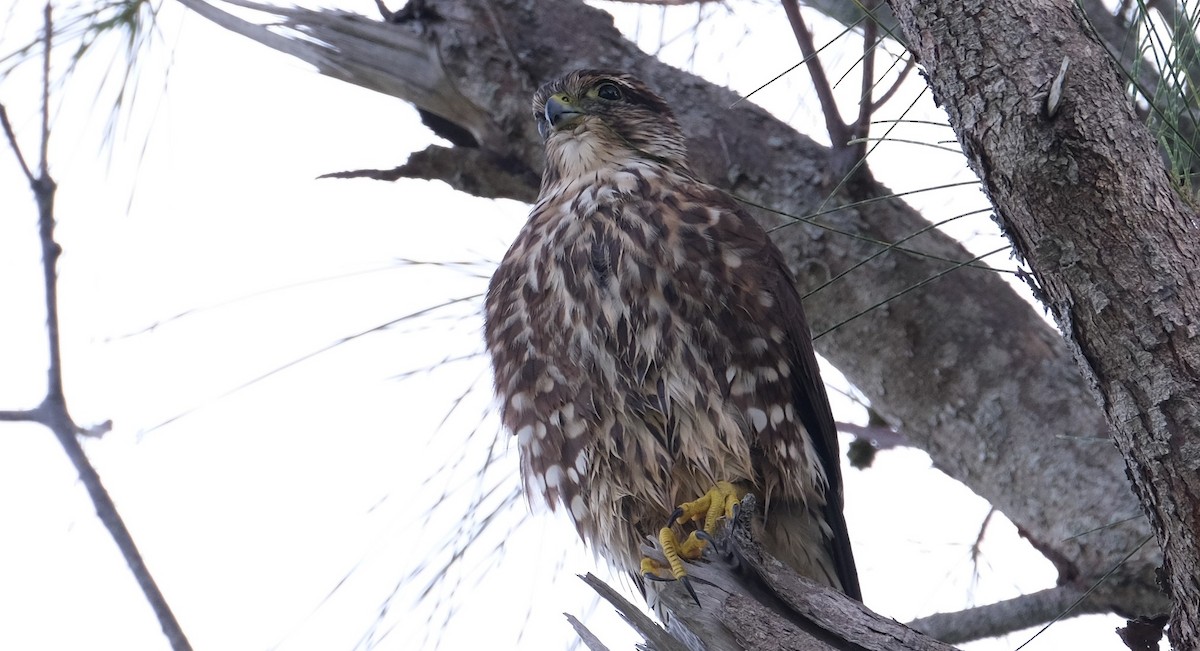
(592, 119)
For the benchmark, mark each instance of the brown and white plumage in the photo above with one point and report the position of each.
(647, 341)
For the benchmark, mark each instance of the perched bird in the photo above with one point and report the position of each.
(649, 344)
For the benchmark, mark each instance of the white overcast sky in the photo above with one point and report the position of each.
(283, 514)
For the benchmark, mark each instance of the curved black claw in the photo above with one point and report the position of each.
(674, 516)
(687, 583)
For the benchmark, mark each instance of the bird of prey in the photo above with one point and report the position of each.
(649, 346)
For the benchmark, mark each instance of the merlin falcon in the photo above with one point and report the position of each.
(649, 348)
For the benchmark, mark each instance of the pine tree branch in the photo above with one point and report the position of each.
(839, 134)
(52, 411)
(991, 620)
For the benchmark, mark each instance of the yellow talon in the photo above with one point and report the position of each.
(717, 503)
(692, 548)
(670, 548)
(651, 569)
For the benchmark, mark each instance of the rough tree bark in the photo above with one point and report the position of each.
(751, 601)
(963, 365)
(1114, 248)
(1122, 40)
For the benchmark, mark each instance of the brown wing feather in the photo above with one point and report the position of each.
(764, 273)
(812, 403)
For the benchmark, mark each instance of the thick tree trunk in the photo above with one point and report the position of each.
(963, 365)
(1078, 184)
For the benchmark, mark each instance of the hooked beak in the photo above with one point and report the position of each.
(560, 113)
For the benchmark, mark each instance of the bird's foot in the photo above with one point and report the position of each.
(720, 501)
(653, 570)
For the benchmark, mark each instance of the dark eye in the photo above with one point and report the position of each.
(609, 91)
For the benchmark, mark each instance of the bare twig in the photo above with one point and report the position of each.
(909, 64)
(47, 42)
(977, 546)
(862, 126)
(839, 133)
(52, 412)
(44, 190)
(471, 169)
(12, 139)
